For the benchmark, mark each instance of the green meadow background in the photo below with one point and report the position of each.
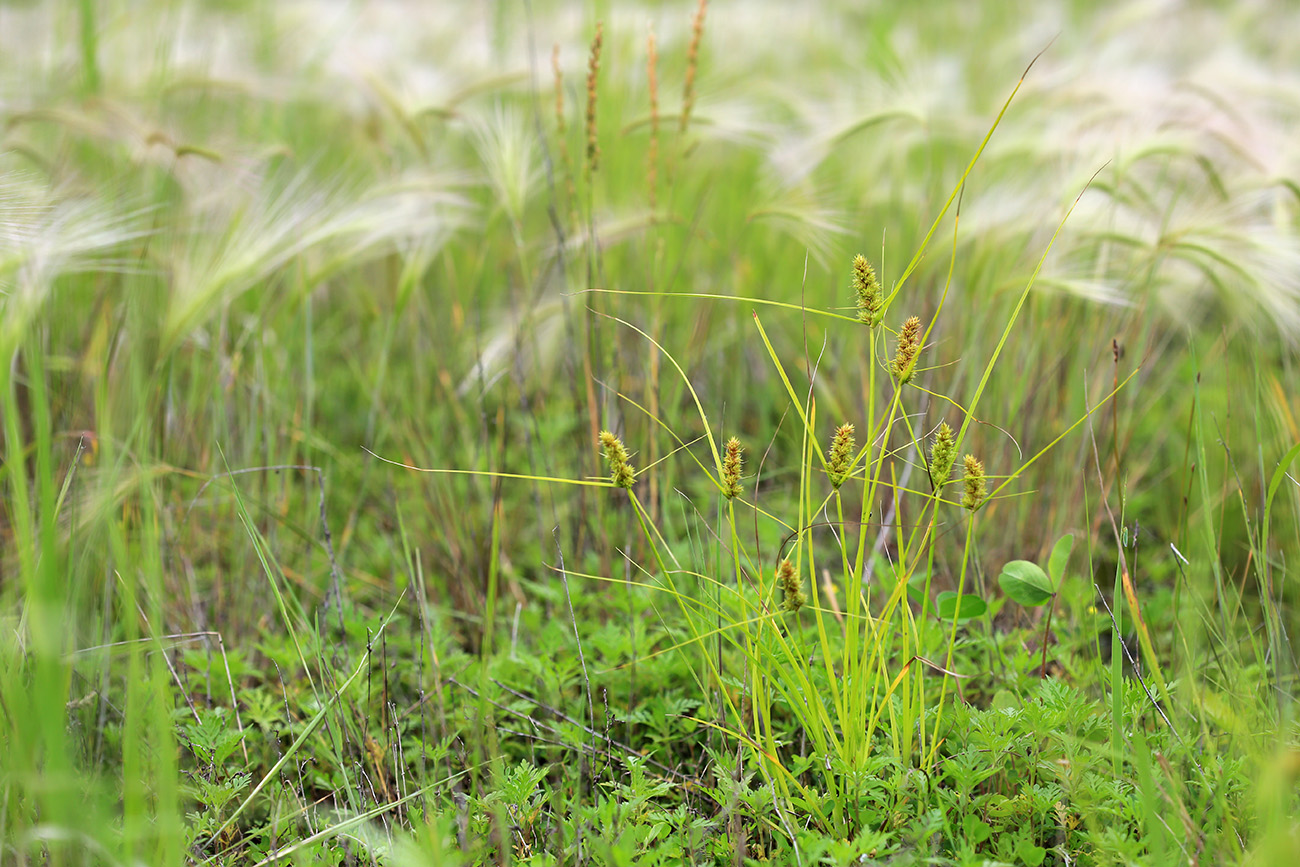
(259, 260)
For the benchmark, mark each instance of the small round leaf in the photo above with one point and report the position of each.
(971, 606)
(1026, 583)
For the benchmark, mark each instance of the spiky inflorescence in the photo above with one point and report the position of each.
(839, 456)
(943, 452)
(732, 462)
(621, 473)
(909, 347)
(692, 64)
(974, 482)
(561, 131)
(871, 301)
(593, 69)
(792, 598)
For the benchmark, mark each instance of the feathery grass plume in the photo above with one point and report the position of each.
(792, 598)
(802, 213)
(943, 452)
(974, 482)
(621, 473)
(692, 64)
(732, 461)
(593, 70)
(301, 217)
(909, 347)
(505, 143)
(652, 153)
(840, 454)
(43, 237)
(871, 301)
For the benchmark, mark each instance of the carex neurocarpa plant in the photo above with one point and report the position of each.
(842, 640)
(838, 649)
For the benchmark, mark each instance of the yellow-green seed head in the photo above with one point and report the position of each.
(976, 491)
(792, 598)
(943, 452)
(871, 301)
(909, 347)
(840, 454)
(732, 462)
(621, 473)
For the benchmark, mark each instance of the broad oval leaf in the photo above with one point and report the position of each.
(971, 606)
(1060, 557)
(916, 587)
(1026, 583)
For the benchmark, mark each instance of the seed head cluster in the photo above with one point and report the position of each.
(871, 301)
(621, 473)
(840, 455)
(732, 463)
(909, 347)
(973, 480)
(792, 598)
(943, 452)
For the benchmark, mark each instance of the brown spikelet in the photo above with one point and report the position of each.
(652, 154)
(593, 71)
(692, 63)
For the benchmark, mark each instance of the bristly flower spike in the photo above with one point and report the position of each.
(692, 64)
(871, 301)
(621, 473)
(909, 348)
(732, 462)
(792, 598)
(840, 455)
(943, 453)
(976, 491)
(593, 71)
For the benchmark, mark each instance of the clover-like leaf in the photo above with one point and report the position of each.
(970, 606)
(1026, 583)
(916, 586)
(1060, 557)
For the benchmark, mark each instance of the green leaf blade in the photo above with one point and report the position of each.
(1026, 583)
(1060, 558)
(969, 607)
